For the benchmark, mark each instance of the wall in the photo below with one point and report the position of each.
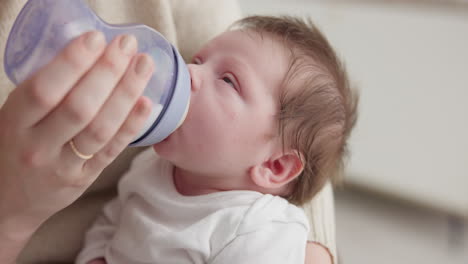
(410, 62)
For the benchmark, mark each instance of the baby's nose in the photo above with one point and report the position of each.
(194, 77)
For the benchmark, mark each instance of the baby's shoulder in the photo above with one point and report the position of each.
(253, 216)
(269, 211)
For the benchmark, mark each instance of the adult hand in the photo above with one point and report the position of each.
(90, 93)
(317, 254)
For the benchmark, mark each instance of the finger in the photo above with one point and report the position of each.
(86, 171)
(116, 109)
(83, 102)
(45, 89)
(120, 141)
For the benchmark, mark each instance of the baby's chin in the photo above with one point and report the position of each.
(161, 149)
(166, 150)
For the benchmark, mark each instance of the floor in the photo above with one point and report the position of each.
(375, 230)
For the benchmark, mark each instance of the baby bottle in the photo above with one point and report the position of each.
(44, 27)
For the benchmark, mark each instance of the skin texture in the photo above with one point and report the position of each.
(229, 140)
(236, 81)
(40, 174)
(317, 254)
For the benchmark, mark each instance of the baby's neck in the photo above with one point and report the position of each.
(189, 184)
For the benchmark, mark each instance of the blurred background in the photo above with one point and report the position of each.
(405, 196)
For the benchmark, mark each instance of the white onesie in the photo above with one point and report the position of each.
(150, 222)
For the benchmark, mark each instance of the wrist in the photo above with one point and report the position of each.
(17, 228)
(12, 242)
(18, 220)
(14, 232)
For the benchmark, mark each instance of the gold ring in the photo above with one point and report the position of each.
(78, 153)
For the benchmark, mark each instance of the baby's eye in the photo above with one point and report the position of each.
(229, 81)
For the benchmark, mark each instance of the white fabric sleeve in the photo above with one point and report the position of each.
(276, 243)
(100, 233)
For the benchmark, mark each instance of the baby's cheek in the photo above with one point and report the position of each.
(229, 110)
(233, 116)
(202, 147)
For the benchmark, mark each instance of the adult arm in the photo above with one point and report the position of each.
(317, 254)
(39, 173)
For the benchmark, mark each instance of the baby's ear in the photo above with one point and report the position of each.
(279, 170)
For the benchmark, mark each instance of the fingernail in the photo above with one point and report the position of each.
(94, 40)
(143, 65)
(127, 44)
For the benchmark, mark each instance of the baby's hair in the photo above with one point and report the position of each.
(318, 108)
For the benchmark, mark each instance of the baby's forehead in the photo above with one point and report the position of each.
(248, 38)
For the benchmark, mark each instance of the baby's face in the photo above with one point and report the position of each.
(231, 123)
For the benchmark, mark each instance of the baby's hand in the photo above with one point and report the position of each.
(98, 261)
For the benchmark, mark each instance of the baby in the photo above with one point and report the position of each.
(271, 110)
